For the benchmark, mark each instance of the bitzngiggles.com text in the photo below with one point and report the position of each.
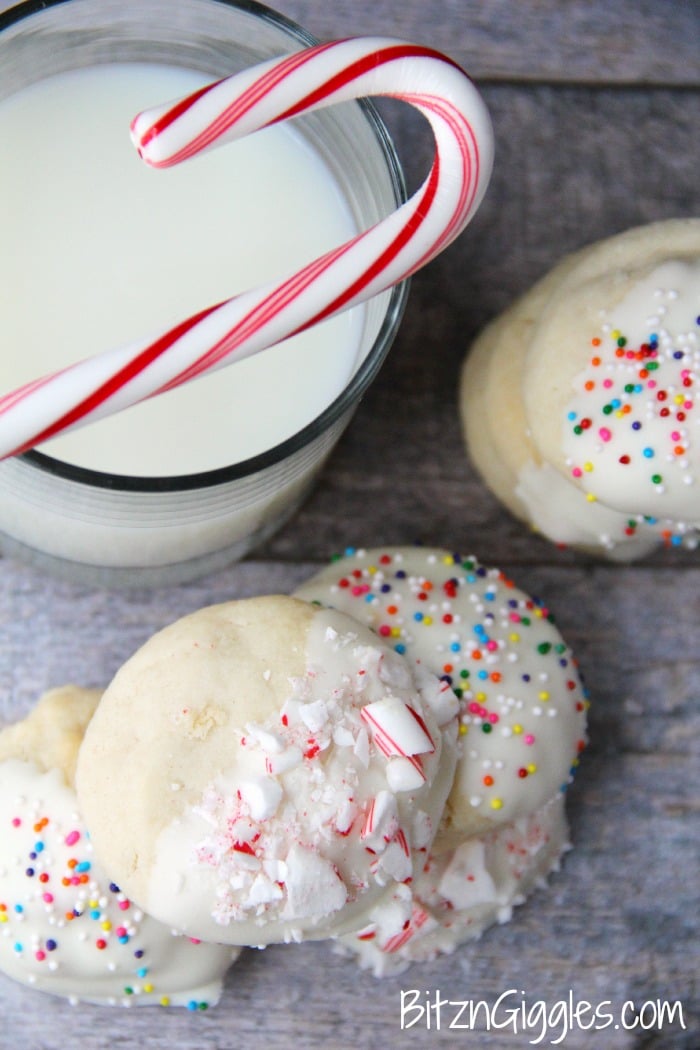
(539, 1021)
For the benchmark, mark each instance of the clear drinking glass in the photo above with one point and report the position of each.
(110, 529)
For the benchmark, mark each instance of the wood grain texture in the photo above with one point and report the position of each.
(627, 42)
(596, 131)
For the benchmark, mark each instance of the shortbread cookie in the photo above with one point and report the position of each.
(65, 926)
(523, 706)
(277, 772)
(578, 404)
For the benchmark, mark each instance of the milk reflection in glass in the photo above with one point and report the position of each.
(97, 250)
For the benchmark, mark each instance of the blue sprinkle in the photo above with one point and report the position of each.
(648, 452)
(400, 648)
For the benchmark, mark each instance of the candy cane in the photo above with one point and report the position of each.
(357, 270)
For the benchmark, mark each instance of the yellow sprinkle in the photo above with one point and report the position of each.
(165, 1000)
(496, 803)
(513, 637)
(148, 988)
(371, 569)
(463, 730)
(544, 696)
(591, 498)
(448, 560)
(532, 768)
(427, 620)
(538, 613)
(395, 632)
(480, 696)
(588, 466)
(679, 399)
(517, 729)
(106, 925)
(616, 334)
(92, 904)
(4, 917)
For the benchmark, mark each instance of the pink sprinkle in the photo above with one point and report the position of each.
(193, 940)
(474, 708)
(493, 718)
(385, 630)
(529, 739)
(123, 905)
(514, 617)
(40, 955)
(47, 898)
(675, 436)
(607, 383)
(121, 931)
(605, 434)
(491, 645)
(72, 837)
(577, 472)
(16, 822)
(651, 384)
(687, 404)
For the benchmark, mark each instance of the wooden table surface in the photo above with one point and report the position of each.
(596, 111)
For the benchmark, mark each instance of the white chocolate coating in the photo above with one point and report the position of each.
(579, 405)
(463, 892)
(65, 927)
(289, 777)
(523, 707)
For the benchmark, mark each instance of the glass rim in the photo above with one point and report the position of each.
(346, 399)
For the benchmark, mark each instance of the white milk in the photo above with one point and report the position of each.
(96, 250)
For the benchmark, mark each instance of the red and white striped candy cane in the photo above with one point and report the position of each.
(364, 266)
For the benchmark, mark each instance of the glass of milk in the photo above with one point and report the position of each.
(97, 250)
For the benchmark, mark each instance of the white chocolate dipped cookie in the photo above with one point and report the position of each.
(523, 707)
(462, 892)
(578, 404)
(278, 772)
(65, 927)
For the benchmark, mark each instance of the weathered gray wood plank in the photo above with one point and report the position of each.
(626, 42)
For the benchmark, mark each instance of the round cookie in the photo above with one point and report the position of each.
(278, 772)
(463, 892)
(522, 704)
(578, 403)
(65, 927)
